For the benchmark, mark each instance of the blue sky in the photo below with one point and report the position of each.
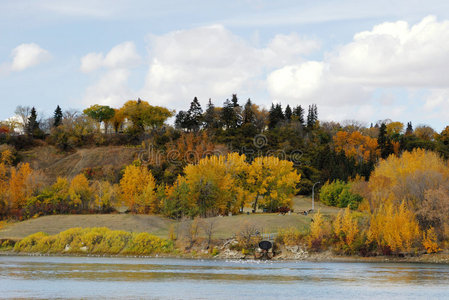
(361, 60)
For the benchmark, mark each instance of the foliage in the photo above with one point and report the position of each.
(339, 193)
(95, 240)
(137, 190)
(430, 241)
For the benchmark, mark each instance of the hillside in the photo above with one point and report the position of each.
(105, 161)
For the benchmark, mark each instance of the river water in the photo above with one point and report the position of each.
(157, 278)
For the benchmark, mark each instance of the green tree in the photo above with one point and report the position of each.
(57, 117)
(100, 113)
(143, 115)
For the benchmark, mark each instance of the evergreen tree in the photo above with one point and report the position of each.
(409, 129)
(312, 116)
(194, 115)
(57, 117)
(181, 120)
(298, 113)
(276, 115)
(32, 126)
(288, 113)
(235, 100)
(210, 118)
(384, 143)
(228, 114)
(248, 114)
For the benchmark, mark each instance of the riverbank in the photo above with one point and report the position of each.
(328, 256)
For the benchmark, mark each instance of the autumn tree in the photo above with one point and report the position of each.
(143, 115)
(80, 192)
(137, 190)
(394, 227)
(346, 229)
(362, 148)
(274, 180)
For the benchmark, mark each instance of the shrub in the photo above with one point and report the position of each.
(338, 193)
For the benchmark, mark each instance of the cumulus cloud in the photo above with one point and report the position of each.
(213, 62)
(111, 87)
(123, 55)
(391, 55)
(25, 56)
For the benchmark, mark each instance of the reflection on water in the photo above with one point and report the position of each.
(89, 277)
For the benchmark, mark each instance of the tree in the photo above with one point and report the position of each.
(274, 180)
(118, 119)
(57, 117)
(409, 129)
(383, 140)
(23, 112)
(355, 145)
(137, 189)
(298, 114)
(276, 115)
(32, 125)
(288, 113)
(101, 114)
(228, 116)
(312, 116)
(143, 115)
(80, 192)
(210, 116)
(194, 115)
(248, 113)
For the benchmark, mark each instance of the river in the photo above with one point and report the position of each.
(157, 278)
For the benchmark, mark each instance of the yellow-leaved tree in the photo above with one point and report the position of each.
(274, 180)
(217, 184)
(80, 192)
(407, 177)
(394, 227)
(137, 190)
(346, 229)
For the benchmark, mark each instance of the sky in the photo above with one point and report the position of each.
(357, 60)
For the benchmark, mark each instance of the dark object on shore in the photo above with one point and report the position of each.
(264, 250)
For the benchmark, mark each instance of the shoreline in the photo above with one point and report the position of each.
(323, 257)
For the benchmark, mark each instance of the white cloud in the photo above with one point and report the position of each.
(25, 56)
(213, 62)
(391, 55)
(111, 89)
(123, 55)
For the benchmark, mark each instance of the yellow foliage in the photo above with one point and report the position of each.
(362, 148)
(406, 177)
(21, 185)
(430, 241)
(394, 227)
(137, 189)
(318, 232)
(346, 228)
(273, 179)
(80, 192)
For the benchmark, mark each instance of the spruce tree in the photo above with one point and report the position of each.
(248, 113)
(194, 115)
(298, 113)
(57, 117)
(228, 114)
(210, 118)
(32, 126)
(409, 129)
(288, 113)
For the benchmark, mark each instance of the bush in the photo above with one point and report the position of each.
(338, 193)
(290, 236)
(95, 240)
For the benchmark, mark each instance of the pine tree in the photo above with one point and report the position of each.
(235, 100)
(288, 113)
(276, 115)
(210, 118)
(409, 129)
(194, 115)
(228, 114)
(248, 113)
(57, 117)
(312, 116)
(32, 126)
(298, 113)
(385, 145)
